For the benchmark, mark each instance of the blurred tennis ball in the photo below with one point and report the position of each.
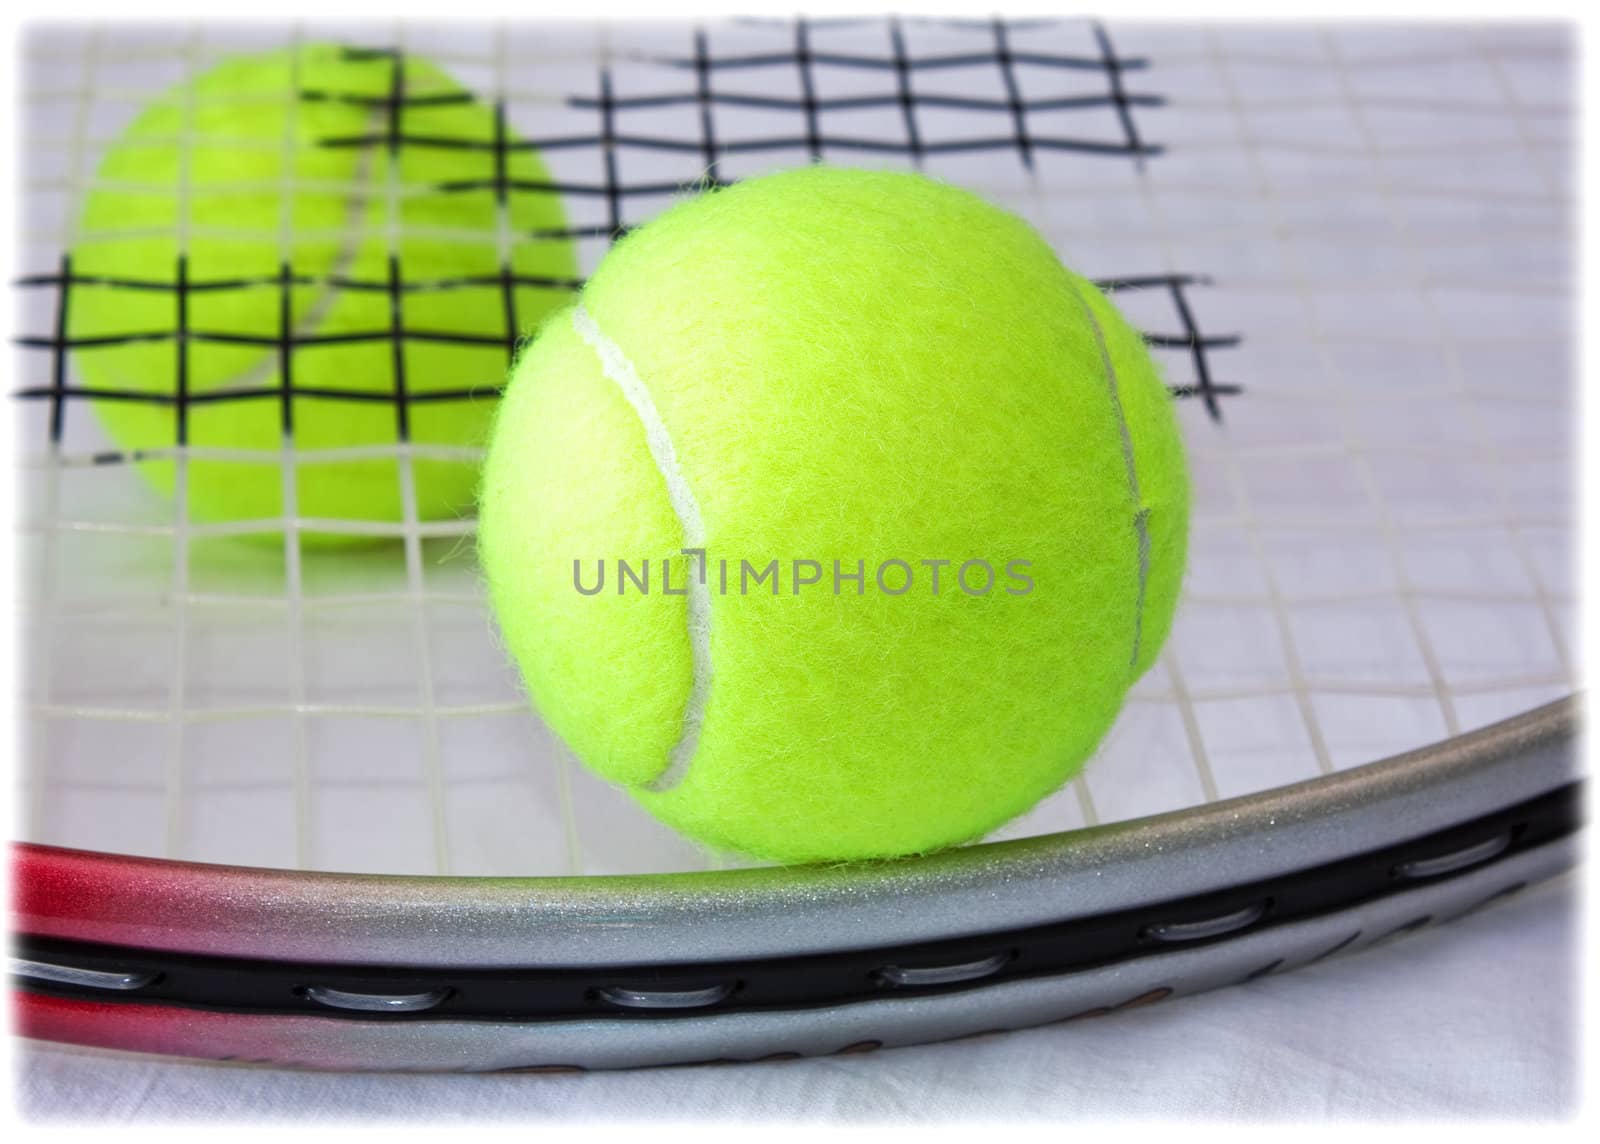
(370, 179)
(939, 491)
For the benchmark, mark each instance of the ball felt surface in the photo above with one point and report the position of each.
(835, 365)
(283, 159)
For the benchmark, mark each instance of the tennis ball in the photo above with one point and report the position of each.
(370, 179)
(938, 484)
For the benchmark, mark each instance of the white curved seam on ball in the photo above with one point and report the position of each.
(343, 260)
(1141, 514)
(616, 366)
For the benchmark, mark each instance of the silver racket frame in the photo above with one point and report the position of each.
(787, 912)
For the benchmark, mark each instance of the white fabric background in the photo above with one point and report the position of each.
(1478, 1018)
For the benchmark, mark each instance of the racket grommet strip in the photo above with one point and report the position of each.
(113, 980)
(375, 1002)
(664, 998)
(902, 976)
(1456, 859)
(1207, 927)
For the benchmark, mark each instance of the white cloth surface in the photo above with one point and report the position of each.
(1471, 1019)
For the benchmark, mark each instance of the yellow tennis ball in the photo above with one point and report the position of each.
(939, 488)
(405, 222)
